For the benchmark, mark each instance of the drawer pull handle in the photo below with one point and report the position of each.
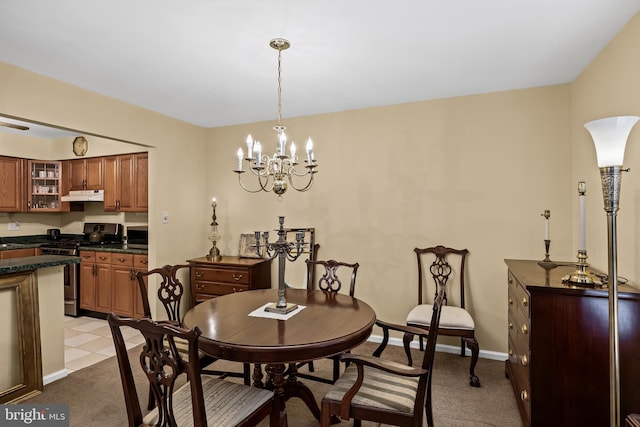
(121, 259)
(524, 396)
(199, 286)
(144, 262)
(199, 274)
(510, 301)
(510, 325)
(103, 258)
(525, 301)
(525, 330)
(525, 360)
(237, 277)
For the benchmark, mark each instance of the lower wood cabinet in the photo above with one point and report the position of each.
(17, 253)
(108, 282)
(558, 360)
(209, 279)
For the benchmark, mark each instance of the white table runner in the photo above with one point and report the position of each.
(261, 312)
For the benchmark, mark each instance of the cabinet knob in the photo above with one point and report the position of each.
(525, 360)
(510, 352)
(524, 396)
(510, 325)
(121, 259)
(510, 301)
(510, 281)
(102, 258)
(525, 330)
(525, 301)
(144, 262)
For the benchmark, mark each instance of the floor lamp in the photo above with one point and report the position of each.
(610, 138)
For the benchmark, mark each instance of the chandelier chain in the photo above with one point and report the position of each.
(279, 87)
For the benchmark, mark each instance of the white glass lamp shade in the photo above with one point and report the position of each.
(610, 138)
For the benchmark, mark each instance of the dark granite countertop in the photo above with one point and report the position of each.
(35, 241)
(114, 248)
(30, 263)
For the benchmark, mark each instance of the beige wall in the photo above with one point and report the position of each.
(609, 86)
(472, 172)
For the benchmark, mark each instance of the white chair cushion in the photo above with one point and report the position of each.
(226, 403)
(451, 317)
(379, 389)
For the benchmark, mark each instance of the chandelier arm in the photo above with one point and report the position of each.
(249, 190)
(306, 187)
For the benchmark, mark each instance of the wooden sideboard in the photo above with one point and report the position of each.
(209, 279)
(559, 347)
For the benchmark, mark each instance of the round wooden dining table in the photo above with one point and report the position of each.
(329, 324)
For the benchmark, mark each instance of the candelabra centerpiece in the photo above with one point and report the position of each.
(277, 172)
(284, 250)
(214, 235)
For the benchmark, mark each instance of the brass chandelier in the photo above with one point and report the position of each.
(277, 172)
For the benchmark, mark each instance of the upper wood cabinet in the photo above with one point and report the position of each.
(45, 182)
(85, 174)
(12, 190)
(126, 183)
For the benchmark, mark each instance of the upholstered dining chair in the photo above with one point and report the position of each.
(325, 275)
(385, 391)
(170, 292)
(456, 320)
(202, 401)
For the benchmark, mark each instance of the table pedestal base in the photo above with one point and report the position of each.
(284, 390)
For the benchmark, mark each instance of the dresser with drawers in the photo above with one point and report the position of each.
(558, 347)
(209, 279)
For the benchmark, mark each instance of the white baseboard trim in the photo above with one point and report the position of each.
(444, 348)
(54, 376)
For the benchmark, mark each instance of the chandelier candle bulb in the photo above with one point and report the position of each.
(257, 148)
(249, 148)
(240, 156)
(582, 189)
(309, 151)
(283, 142)
(292, 150)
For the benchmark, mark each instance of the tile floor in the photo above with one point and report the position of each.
(88, 341)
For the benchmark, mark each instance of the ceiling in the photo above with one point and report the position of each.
(208, 62)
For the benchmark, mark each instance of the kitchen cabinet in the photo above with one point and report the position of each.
(126, 183)
(44, 186)
(209, 279)
(108, 282)
(84, 174)
(17, 253)
(12, 189)
(95, 281)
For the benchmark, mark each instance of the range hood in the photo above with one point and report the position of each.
(84, 196)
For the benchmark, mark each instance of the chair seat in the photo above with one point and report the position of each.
(226, 403)
(380, 390)
(451, 318)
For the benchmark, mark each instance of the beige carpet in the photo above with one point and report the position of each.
(94, 394)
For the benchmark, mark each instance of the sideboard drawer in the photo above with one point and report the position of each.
(223, 275)
(218, 288)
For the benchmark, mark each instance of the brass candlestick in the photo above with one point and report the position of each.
(546, 262)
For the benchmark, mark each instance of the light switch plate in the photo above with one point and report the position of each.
(165, 217)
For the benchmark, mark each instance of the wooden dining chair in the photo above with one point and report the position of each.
(202, 401)
(170, 292)
(384, 391)
(326, 276)
(456, 320)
